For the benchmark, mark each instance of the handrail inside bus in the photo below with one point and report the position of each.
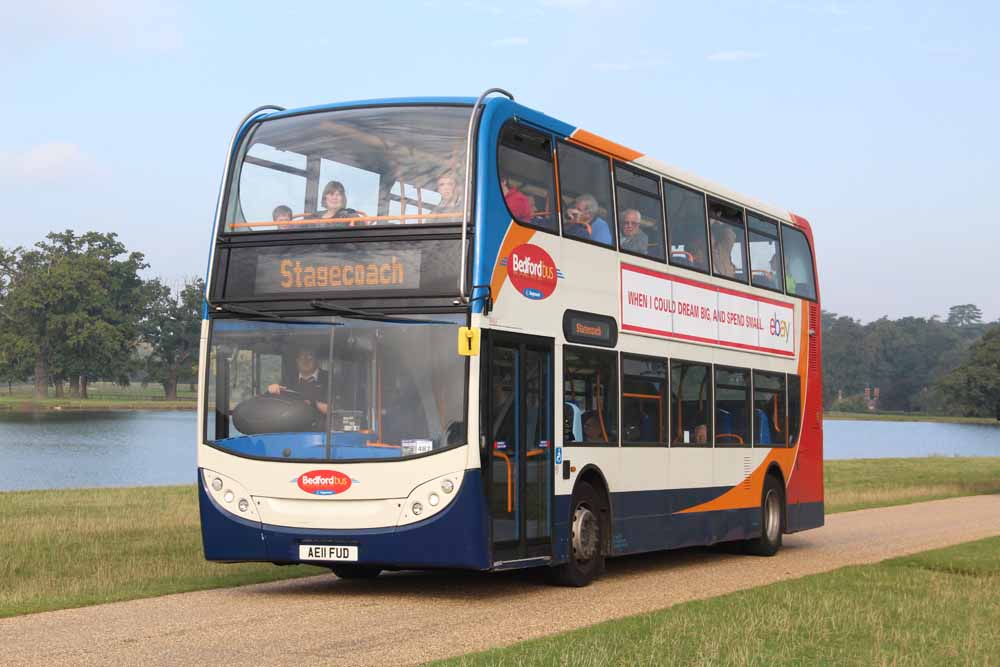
(351, 221)
(510, 479)
(462, 297)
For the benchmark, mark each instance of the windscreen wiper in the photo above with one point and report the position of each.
(270, 317)
(354, 313)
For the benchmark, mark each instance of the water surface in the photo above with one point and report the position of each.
(49, 450)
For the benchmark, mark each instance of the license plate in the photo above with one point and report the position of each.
(327, 552)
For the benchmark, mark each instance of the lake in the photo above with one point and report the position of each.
(45, 450)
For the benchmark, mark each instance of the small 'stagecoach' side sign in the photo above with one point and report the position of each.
(324, 482)
(532, 271)
(590, 328)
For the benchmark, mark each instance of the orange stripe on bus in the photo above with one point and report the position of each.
(747, 493)
(603, 145)
(516, 235)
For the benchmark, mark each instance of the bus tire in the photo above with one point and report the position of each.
(356, 571)
(772, 509)
(587, 538)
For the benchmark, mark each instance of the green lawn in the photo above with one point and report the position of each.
(936, 608)
(908, 417)
(860, 483)
(69, 548)
(101, 396)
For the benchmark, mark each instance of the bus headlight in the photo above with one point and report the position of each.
(429, 498)
(229, 495)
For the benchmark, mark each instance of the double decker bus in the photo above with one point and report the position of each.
(460, 333)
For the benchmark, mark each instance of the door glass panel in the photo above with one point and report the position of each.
(503, 444)
(538, 444)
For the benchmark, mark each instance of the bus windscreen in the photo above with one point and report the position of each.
(350, 169)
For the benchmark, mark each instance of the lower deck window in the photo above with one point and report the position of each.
(732, 413)
(691, 403)
(770, 428)
(644, 400)
(590, 396)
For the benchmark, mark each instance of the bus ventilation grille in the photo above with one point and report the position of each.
(813, 338)
(747, 470)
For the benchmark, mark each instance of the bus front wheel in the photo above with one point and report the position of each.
(586, 560)
(772, 519)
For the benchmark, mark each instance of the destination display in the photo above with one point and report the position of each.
(672, 307)
(590, 328)
(351, 269)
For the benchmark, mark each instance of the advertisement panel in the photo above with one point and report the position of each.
(673, 307)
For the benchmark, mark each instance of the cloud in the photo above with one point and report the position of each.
(53, 162)
(144, 25)
(732, 56)
(509, 41)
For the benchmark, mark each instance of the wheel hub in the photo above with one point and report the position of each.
(586, 534)
(772, 516)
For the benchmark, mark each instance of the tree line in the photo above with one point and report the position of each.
(945, 366)
(74, 310)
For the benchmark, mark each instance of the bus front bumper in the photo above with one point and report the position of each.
(456, 537)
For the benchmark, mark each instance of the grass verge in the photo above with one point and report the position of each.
(861, 483)
(936, 608)
(71, 548)
(908, 417)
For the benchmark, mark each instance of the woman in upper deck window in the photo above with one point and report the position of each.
(335, 203)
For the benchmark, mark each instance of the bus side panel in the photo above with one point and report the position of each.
(455, 538)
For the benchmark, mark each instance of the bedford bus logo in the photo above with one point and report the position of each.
(532, 271)
(324, 482)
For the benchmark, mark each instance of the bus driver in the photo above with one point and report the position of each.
(311, 383)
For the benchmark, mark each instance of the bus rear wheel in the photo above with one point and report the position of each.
(772, 519)
(356, 571)
(586, 560)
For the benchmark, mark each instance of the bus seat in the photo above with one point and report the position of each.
(764, 432)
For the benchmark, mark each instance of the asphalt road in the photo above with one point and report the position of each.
(408, 618)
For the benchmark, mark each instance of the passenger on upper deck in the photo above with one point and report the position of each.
(633, 238)
(518, 202)
(584, 222)
(723, 241)
(451, 198)
(281, 214)
(335, 201)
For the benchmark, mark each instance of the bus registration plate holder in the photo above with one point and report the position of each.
(328, 552)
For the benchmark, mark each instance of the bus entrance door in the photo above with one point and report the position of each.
(517, 429)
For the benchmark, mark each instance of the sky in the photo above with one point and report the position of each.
(875, 121)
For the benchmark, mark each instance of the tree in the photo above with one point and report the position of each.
(172, 328)
(974, 387)
(964, 315)
(72, 304)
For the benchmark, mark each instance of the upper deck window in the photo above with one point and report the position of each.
(640, 216)
(585, 187)
(351, 168)
(686, 227)
(798, 264)
(765, 252)
(729, 255)
(526, 176)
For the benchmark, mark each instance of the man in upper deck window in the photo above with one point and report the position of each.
(583, 221)
(633, 238)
